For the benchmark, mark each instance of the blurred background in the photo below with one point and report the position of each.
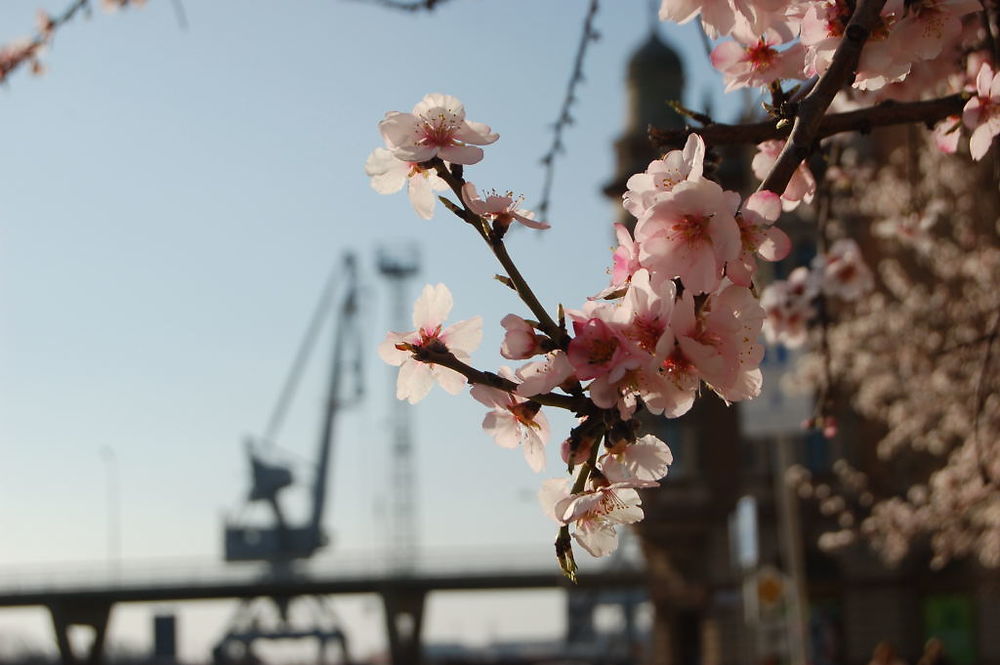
(175, 198)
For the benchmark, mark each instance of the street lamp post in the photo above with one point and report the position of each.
(114, 510)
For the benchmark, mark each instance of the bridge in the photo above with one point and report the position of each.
(84, 595)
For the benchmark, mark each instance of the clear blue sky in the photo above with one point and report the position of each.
(170, 203)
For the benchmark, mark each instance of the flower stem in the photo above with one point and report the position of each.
(579, 405)
(495, 241)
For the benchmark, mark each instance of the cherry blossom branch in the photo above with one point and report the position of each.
(494, 238)
(813, 106)
(12, 57)
(565, 119)
(548, 325)
(863, 120)
(563, 544)
(579, 405)
(415, 6)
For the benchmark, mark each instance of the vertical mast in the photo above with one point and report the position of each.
(398, 265)
(346, 343)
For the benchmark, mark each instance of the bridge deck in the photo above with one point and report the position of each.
(345, 574)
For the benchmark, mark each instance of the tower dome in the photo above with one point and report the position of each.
(655, 75)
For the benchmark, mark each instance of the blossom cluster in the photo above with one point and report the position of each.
(910, 54)
(790, 304)
(918, 357)
(678, 314)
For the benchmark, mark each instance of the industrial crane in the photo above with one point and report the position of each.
(282, 541)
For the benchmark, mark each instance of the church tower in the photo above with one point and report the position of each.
(655, 76)
(684, 534)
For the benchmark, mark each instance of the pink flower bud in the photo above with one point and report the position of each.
(520, 341)
(581, 453)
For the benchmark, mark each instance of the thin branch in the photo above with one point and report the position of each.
(565, 119)
(578, 405)
(402, 5)
(863, 120)
(564, 545)
(548, 325)
(12, 56)
(494, 239)
(813, 106)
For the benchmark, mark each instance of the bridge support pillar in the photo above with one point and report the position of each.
(404, 617)
(94, 614)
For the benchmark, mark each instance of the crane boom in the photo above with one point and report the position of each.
(283, 541)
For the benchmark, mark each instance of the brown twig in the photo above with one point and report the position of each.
(495, 240)
(564, 545)
(863, 120)
(813, 106)
(11, 59)
(578, 405)
(565, 119)
(414, 6)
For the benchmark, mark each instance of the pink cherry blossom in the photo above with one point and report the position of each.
(982, 112)
(429, 312)
(648, 458)
(737, 311)
(758, 63)
(788, 308)
(662, 174)
(544, 375)
(679, 375)
(844, 271)
(717, 16)
(595, 514)
(946, 134)
(625, 259)
(802, 185)
(520, 340)
(690, 233)
(436, 127)
(624, 262)
(886, 57)
(501, 209)
(719, 343)
(599, 349)
(389, 174)
(928, 25)
(515, 421)
(643, 319)
(678, 385)
(757, 236)
(641, 378)
(644, 313)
